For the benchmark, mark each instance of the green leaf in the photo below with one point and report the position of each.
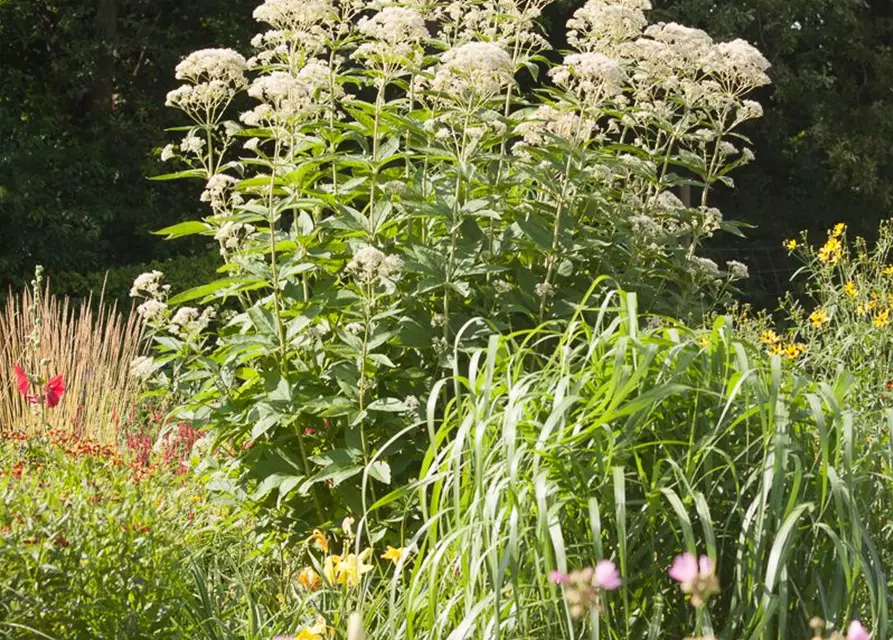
(391, 405)
(183, 229)
(191, 173)
(381, 471)
(222, 287)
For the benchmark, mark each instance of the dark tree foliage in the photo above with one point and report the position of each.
(824, 147)
(82, 86)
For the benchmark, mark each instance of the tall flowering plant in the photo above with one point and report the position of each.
(392, 190)
(39, 389)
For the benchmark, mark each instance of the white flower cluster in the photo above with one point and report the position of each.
(188, 322)
(192, 144)
(396, 33)
(369, 264)
(206, 65)
(544, 290)
(294, 15)
(305, 24)
(213, 77)
(287, 98)
(152, 311)
(231, 235)
(354, 328)
(559, 120)
(149, 285)
(711, 220)
(604, 25)
(737, 270)
(478, 69)
(671, 50)
(592, 76)
(510, 22)
(738, 66)
(703, 268)
(394, 25)
(219, 193)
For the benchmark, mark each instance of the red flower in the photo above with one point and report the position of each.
(23, 385)
(55, 389)
(52, 393)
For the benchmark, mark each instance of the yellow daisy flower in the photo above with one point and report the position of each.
(790, 245)
(831, 252)
(850, 289)
(882, 318)
(768, 337)
(794, 351)
(818, 317)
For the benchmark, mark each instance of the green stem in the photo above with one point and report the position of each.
(277, 312)
(556, 231)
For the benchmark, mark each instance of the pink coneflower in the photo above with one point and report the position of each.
(857, 632)
(584, 587)
(695, 577)
(606, 575)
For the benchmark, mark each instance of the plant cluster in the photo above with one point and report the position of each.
(66, 366)
(844, 320)
(393, 193)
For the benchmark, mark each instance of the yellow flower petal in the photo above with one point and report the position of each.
(321, 540)
(393, 554)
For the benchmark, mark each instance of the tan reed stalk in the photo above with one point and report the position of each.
(92, 350)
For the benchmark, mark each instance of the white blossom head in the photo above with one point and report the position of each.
(152, 311)
(295, 14)
(737, 270)
(213, 77)
(559, 121)
(231, 235)
(592, 76)
(478, 69)
(188, 322)
(738, 66)
(394, 25)
(219, 193)
(604, 25)
(208, 65)
(286, 98)
(703, 268)
(395, 34)
(192, 144)
(148, 285)
(168, 152)
(369, 264)
(304, 23)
